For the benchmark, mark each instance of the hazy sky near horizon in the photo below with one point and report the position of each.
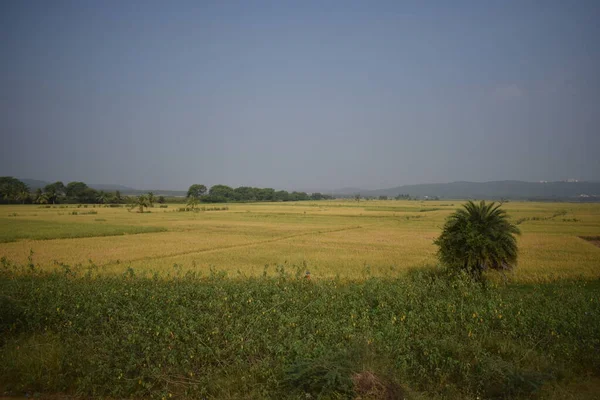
(299, 94)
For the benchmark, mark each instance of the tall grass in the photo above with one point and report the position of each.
(286, 336)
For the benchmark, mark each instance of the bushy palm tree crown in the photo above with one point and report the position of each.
(478, 237)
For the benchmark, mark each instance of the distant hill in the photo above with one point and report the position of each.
(111, 188)
(498, 189)
(350, 191)
(34, 184)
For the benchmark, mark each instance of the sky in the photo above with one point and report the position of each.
(299, 94)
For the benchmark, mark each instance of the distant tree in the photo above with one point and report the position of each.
(192, 202)
(151, 199)
(78, 191)
(196, 191)
(299, 196)
(37, 194)
(161, 199)
(245, 193)
(22, 196)
(357, 197)
(102, 197)
(222, 191)
(89, 196)
(40, 197)
(118, 198)
(265, 194)
(54, 191)
(211, 198)
(281, 195)
(478, 237)
(10, 188)
(383, 197)
(141, 202)
(316, 196)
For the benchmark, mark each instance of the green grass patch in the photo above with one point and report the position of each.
(193, 336)
(394, 209)
(12, 230)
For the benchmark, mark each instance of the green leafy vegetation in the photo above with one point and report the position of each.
(15, 229)
(290, 337)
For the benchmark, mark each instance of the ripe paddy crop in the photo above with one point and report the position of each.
(332, 238)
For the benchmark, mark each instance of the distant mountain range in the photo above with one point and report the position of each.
(496, 190)
(518, 190)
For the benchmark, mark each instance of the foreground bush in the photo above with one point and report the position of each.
(289, 337)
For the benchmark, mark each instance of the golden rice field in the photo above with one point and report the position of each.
(329, 238)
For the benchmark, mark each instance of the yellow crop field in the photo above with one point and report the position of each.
(348, 239)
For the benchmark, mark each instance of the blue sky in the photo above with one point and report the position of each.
(299, 95)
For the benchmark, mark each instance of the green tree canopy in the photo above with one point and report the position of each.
(281, 195)
(245, 193)
(10, 188)
(196, 191)
(478, 237)
(54, 190)
(298, 196)
(76, 190)
(223, 191)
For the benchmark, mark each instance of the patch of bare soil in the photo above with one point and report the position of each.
(369, 386)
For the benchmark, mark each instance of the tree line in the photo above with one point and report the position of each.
(225, 194)
(13, 190)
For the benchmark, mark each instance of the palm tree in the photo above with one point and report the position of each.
(101, 197)
(478, 237)
(22, 195)
(40, 197)
(141, 201)
(43, 199)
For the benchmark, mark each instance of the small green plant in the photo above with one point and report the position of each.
(91, 212)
